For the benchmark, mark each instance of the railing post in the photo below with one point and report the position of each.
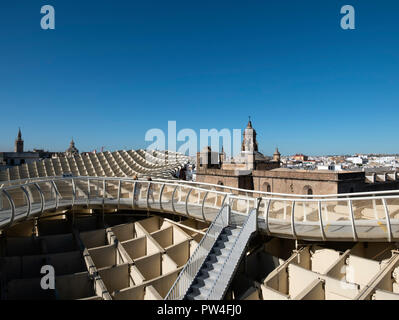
(27, 200)
(323, 235)
(173, 196)
(160, 197)
(134, 195)
(258, 201)
(57, 194)
(352, 217)
(104, 193)
(267, 217)
(148, 195)
(293, 220)
(119, 192)
(41, 197)
(223, 201)
(387, 218)
(73, 192)
(203, 204)
(88, 192)
(188, 195)
(12, 205)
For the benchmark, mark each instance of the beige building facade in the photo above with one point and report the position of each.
(254, 171)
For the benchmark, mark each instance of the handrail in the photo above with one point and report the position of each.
(194, 264)
(321, 212)
(293, 195)
(174, 181)
(230, 189)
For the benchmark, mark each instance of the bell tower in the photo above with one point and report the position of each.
(249, 143)
(19, 143)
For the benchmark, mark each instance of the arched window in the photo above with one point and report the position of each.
(220, 183)
(266, 187)
(307, 190)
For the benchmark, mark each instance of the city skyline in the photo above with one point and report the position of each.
(99, 149)
(108, 74)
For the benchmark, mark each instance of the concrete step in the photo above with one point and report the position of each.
(216, 258)
(227, 238)
(214, 266)
(200, 289)
(206, 281)
(232, 231)
(221, 251)
(222, 244)
(209, 273)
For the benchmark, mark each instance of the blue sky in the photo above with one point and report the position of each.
(111, 70)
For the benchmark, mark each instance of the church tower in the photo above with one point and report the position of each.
(276, 155)
(249, 142)
(19, 143)
(249, 146)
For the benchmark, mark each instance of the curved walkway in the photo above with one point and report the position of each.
(372, 216)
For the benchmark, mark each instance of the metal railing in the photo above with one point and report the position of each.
(233, 258)
(370, 216)
(194, 264)
(277, 194)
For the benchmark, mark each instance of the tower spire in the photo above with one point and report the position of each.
(249, 125)
(19, 143)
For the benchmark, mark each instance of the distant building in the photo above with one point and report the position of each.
(19, 156)
(357, 160)
(72, 150)
(212, 167)
(19, 143)
(254, 171)
(300, 157)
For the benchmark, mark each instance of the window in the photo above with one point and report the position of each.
(307, 190)
(266, 187)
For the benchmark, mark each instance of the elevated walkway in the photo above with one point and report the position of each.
(368, 217)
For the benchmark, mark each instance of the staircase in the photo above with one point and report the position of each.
(209, 271)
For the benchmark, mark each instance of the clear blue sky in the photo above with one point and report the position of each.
(111, 70)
